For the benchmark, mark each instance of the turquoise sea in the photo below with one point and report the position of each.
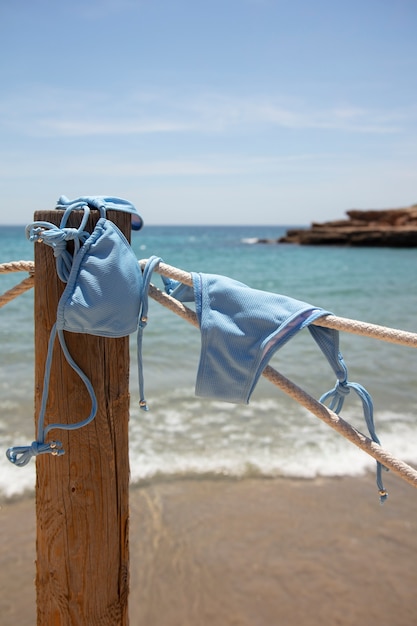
(183, 435)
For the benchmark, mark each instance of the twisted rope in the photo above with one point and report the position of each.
(17, 266)
(365, 329)
(24, 285)
(375, 331)
(391, 335)
(17, 290)
(401, 469)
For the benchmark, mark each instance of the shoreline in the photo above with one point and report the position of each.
(250, 551)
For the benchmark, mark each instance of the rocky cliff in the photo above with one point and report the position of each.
(389, 228)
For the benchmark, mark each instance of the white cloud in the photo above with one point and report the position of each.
(84, 128)
(58, 113)
(348, 119)
(16, 165)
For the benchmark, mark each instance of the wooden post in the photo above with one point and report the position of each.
(82, 506)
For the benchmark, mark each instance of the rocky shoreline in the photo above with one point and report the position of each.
(383, 228)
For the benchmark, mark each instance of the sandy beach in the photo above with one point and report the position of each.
(252, 552)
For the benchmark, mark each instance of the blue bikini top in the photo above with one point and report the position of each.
(106, 295)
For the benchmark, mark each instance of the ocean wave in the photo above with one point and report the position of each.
(249, 240)
(184, 436)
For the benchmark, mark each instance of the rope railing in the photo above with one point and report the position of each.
(403, 470)
(364, 329)
(17, 290)
(391, 335)
(23, 286)
(17, 266)
(375, 331)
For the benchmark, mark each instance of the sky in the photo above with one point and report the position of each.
(209, 111)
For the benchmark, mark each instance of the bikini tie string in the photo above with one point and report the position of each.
(57, 237)
(150, 266)
(21, 455)
(336, 396)
(52, 235)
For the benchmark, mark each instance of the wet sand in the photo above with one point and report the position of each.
(254, 552)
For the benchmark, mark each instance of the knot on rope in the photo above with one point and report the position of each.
(57, 237)
(35, 234)
(21, 455)
(52, 235)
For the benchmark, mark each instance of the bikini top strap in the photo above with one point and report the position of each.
(328, 341)
(103, 203)
(143, 320)
(57, 237)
